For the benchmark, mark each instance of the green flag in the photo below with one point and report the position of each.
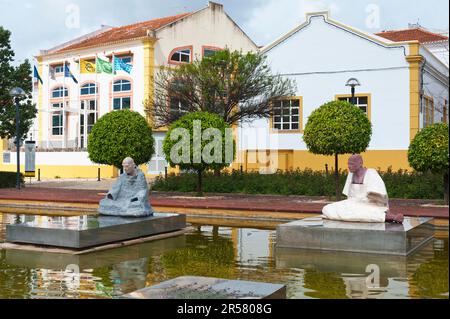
(104, 66)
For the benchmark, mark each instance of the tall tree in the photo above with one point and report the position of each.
(235, 86)
(10, 77)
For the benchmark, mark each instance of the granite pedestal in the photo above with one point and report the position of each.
(210, 288)
(378, 238)
(90, 231)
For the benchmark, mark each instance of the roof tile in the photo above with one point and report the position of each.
(419, 34)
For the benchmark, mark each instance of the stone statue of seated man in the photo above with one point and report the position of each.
(367, 198)
(129, 194)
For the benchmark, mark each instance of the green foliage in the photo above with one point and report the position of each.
(429, 149)
(337, 127)
(11, 77)
(187, 122)
(217, 84)
(8, 179)
(400, 184)
(118, 135)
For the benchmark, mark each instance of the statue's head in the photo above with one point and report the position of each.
(129, 166)
(355, 162)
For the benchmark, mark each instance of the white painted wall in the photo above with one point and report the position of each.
(321, 58)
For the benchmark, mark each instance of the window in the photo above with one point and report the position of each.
(445, 112)
(209, 52)
(57, 124)
(362, 101)
(89, 89)
(122, 103)
(287, 115)
(122, 86)
(89, 104)
(183, 56)
(57, 105)
(177, 104)
(59, 68)
(428, 110)
(60, 92)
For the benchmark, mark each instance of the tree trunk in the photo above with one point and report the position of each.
(199, 184)
(336, 176)
(446, 188)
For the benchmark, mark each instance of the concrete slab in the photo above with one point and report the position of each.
(210, 288)
(98, 259)
(89, 231)
(389, 239)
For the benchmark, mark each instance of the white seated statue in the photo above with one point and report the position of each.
(128, 196)
(367, 198)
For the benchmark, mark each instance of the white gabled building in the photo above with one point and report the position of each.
(67, 110)
(404, 87)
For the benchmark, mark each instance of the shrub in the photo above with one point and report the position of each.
(8, 179)
(429, 152)
(335, 128)
(118, 135)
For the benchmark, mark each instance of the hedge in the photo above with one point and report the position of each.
(8, 179)
(400, 184)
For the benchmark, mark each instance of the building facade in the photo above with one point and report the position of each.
(404, 87)
(68, 110)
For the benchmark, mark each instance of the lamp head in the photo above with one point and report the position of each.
(353, 82)
(17, 92)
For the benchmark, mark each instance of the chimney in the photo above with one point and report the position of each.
(214, 5)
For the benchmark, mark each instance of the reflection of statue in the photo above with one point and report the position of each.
(129, 194)
(367, 197)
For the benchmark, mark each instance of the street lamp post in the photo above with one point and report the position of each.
(16, 93)
(353, 83)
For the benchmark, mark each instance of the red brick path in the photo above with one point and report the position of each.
(294, 204)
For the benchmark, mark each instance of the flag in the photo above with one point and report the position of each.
(104, 67)
(36, 75)
(87, 67)
(69, 74)
(120, 65)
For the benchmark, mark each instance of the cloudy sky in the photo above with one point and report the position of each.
(42, 24)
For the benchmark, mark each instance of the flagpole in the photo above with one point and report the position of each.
(64, 107)
(79, 102)
(49, 108)
(96, 95)
(33, 94)
(112, 82)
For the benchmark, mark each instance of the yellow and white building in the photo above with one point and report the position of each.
(404, 87)
(67, 111)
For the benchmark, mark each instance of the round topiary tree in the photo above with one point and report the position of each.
(335, 128)
(118, 135)
(200, 141)
(429, 152)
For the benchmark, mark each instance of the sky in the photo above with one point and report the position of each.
(43, 24)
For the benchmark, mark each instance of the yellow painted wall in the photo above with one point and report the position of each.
(414, 59)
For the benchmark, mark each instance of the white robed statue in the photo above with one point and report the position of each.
(128, 196)
(367, 198)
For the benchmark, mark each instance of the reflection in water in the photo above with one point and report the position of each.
(223, 252)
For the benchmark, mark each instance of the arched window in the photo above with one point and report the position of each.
(122, 86)
(60, 92)
(89, 89)
(181, 56)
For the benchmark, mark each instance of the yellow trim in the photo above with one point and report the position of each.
(378, 159)
(272, 130)
(414, 60)
(149, 74)
(369, 101)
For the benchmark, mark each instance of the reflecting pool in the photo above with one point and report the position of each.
(229, 253)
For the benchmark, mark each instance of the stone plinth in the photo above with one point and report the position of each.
(379, 238)
(210, 288)
(89, 231)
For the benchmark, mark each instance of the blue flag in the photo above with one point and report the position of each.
(36, 75)
(69, 74)
(120, 65)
